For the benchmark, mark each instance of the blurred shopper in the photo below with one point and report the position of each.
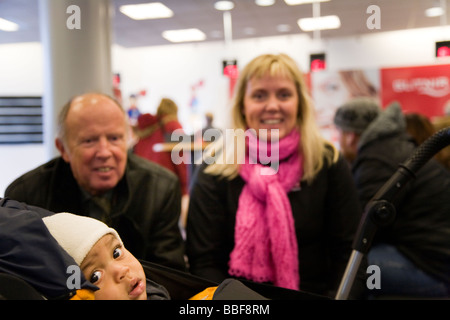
(209, 131)
(443, 156)
(164, 128)
(419, 127)
(208, 134)
(158, 129)
(413, 253)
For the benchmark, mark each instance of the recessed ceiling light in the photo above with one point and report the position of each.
(319, 23)
(224, 5)
(264, 3)
(434, 12)
(297, 2)
(7, 25)
(144, 11)
(184, 35)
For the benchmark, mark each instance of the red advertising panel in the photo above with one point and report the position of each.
(423, 89)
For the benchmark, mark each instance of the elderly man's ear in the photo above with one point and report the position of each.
(62, 150)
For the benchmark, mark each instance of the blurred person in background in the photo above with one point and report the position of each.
(413, 252)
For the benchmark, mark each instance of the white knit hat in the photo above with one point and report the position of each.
(77, 234)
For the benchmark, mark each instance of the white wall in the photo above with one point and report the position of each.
(171, 71)
(21, 74)
(21, 69)
(387, 49)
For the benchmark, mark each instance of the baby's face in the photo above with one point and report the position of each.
(113, 269)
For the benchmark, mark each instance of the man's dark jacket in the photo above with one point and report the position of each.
(421, 230)
(145, 207)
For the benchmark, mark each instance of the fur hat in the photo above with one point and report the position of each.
(356, 114)
(77, 234)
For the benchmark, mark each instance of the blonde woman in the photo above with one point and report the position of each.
(274, 201)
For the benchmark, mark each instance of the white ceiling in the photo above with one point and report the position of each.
(246, 17)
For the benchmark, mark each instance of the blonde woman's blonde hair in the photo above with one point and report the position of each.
(314, 148)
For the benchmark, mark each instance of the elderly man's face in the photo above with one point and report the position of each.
(96, 143)
(348, 144)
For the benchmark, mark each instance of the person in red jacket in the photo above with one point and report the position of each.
(157, 129)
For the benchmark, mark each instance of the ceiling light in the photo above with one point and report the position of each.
(297, 2)
(319, 23)
(7, 25)
(184, 35)
(434, 12)
(224, 5)
(144, 11)
(264, 3)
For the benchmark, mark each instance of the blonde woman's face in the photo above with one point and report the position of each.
(271, 102)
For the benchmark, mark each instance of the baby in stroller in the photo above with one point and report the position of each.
(102, 258)
(67, 256)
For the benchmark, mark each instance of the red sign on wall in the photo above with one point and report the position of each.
(423, 89)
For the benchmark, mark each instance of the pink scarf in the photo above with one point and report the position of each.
(265, 240)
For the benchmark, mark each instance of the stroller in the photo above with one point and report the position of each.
(180, 285)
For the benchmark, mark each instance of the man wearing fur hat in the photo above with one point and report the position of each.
(413, 253)
(96, 176)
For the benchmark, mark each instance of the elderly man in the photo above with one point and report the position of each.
(96, 176)
(413, 253)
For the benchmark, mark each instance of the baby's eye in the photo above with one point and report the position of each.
(117, 253)
(96, 276)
